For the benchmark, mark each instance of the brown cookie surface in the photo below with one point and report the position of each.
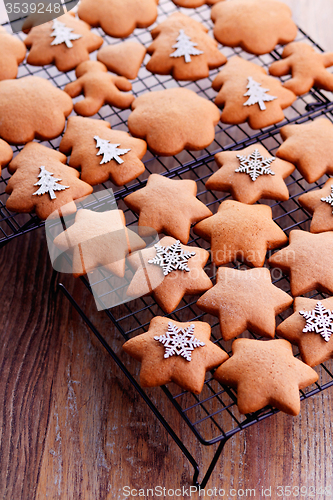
(241, 232)
(182, 48)
(245, 300)
(101, 153)
(173, 119)
(12, 54)
(99, 87)
(265, 373)
(254, 25)
(307, 67)
(65, 41)
(247, 93)
(124, 58)
(118, 18)
(251, 174)
(193, 4)
(6, 154)
(168, 206)
(309, 146)
(43, 183)
(31, 107)
(320, 204)
(175, 352)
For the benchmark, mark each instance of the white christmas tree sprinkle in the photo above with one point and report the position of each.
(329, 199)
(171, 258)
(185, 47)
(63, 34)
(320, 320)
(179, 341)
(48, 184)
(109, 151)
(255, 164)
(256, 94)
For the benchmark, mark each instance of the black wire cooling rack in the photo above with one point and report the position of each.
(213, 415)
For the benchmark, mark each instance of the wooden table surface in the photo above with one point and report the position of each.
(71, 425)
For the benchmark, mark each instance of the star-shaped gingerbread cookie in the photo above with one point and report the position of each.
(168, 271)
(242, 232)
(309, 146)
(99, 239)
(12, 54)
(251, 174)
(247, 93)
(6, 154)
(254, 25)
(175, 352)
(265, 373)
(307, 67)
(308, 259)
(320, 204)
(311, 329)
(169, 206)
(245, 300)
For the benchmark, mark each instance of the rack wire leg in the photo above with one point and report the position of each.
(212, 464)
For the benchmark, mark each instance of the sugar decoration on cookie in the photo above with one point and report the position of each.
(63, 34)
(320, 320)
(179, 341)
(256, 94)
(171, 258)
(329, 199)
(185, 47)
(255, 165)
(48, 184)
(109, 151)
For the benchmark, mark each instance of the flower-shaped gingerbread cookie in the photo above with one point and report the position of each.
(118, 18)
(173, 119)
(247, 93)
(175, 352)
(12, 54)
(307, 67)
(99, 87)
(6, 154)
(123, 58)
(320, 204)
(309, 146)
(240, 231)
(254, 25)
(251, 174)
(65, 41)
(181, 47)
(31, 107)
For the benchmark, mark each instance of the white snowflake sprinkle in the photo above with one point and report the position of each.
(63, 34)
(109, 151)
(255, 164)
(329, 199)
(185, 47)
(171, 258)
(179, 341)
(256, 94)
(48, 184)
(320, 320)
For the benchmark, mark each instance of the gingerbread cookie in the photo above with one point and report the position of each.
(99, 88)
(307, 67)
(12, 54)
(168, 271)
(175, 352)
(43, 183)
(308, 260)
(265, 373)
(99, 239)
(242, 232)
(245, 300)
(310, 147)
(6, 154)
(173, 119)
(31, 107)
(102, 153)
(182, 48)
(247, 93)
(254, 25)
(310, 328)
(251, 174)
(118, 18)
(168, 206)
(65, 41)
(320, 204)
(124, 58)
(193, 4)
